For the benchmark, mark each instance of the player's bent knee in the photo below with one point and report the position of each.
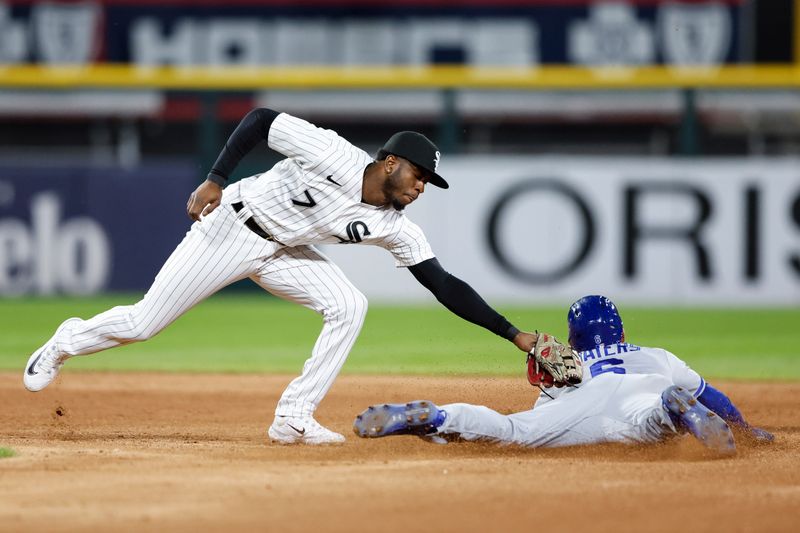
(352, 306)
(361, 304)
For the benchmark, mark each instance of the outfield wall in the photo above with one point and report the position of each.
(520, 229)
(651, 231)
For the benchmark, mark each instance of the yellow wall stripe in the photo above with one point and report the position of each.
(238, 78)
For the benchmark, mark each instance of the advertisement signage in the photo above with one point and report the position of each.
(89, 230)
(522, 33)
(521, 230)
(653, 231)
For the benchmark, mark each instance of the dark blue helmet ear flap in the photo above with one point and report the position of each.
(593, 320)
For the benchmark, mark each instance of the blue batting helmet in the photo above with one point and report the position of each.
(593, 320)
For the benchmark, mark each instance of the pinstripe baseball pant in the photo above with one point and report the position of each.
(216, 252)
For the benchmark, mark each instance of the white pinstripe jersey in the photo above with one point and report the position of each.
(626, 358)
(314, 196)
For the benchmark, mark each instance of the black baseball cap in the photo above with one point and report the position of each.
(419, 150)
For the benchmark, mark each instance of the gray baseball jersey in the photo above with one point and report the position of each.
(623, 358)
(619, 400)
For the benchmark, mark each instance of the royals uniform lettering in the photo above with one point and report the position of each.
(623, 358)
(606, 350)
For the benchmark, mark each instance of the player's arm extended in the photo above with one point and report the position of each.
(718, 402)
(253, 129)
(461, 299)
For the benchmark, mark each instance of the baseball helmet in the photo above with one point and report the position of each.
(593, 320)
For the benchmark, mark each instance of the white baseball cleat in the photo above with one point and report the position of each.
(305, 430)
(43, 366)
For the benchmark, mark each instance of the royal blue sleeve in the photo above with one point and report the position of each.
(722, 405)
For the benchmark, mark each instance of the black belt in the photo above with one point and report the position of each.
(252, 225)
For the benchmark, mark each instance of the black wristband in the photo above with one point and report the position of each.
(511, 332)
(216, 178)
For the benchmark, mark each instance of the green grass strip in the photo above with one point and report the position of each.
(6, 452)
(256, 333)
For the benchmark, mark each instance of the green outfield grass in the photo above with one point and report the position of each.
(254, 333)
(6, 452)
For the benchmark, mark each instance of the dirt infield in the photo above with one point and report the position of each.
(155, 452)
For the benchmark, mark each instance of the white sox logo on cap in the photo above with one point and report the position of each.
(436, 159)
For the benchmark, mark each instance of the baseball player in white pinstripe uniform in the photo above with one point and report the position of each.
(264, 228)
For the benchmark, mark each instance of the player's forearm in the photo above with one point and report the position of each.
(253, 129)
(461, 299)
(723, 406)
(718, 402)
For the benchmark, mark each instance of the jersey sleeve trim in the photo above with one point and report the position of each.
(701, 389)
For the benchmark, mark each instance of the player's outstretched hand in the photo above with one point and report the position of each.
(204, 200)
(752, 434)
(761, 436)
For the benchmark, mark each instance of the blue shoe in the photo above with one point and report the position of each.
(689, 414)
(419, 417)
